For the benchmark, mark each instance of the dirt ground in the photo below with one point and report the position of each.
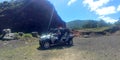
(94, 48)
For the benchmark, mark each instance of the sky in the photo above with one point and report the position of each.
(4, 0)
(69, 10)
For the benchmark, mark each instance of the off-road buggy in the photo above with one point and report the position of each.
(56, 37)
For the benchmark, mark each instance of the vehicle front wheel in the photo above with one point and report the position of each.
(45, 45)
(70, 42)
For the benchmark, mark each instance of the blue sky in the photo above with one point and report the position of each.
(68, 10)
(4, 0)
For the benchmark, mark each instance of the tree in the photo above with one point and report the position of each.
(102, 23)
(90, 24)
(117, 23)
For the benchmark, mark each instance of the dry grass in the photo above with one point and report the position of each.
(96, 29)
(31, 53)
(100, 48)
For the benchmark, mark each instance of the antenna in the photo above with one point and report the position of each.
(51, 18)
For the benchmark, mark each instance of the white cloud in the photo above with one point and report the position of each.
(106, 10)
(71, 2)
(108, 19)
(93, 5)
(118, 9)
(99, 8)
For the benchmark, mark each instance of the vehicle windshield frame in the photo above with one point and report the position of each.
(53, 31)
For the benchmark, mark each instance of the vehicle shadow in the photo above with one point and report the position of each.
(56, 47)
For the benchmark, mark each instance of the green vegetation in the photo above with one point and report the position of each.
(77, 24)
(27, 35)
(89, 25)
(117, 23)
(96, 29)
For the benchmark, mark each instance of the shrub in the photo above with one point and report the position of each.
(27, 36)
(21, 33)
(17, 36)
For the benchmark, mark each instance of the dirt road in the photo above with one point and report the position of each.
(95, 48)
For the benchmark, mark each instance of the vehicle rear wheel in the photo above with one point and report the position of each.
(45, 45)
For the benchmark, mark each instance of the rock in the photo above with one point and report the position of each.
(35, 34)
(29, 15)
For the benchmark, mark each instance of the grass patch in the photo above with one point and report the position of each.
(27, 35)
(96, 29)
(20, 53)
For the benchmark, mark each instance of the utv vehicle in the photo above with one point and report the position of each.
(56, 37)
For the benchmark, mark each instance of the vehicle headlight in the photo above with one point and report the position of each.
(42, 36)
(45, 37)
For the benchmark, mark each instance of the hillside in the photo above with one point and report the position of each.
(76, 24)
(28, 16)
(87, 24)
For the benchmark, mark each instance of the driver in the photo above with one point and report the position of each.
(60, 33)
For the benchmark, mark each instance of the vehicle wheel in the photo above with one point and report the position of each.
(45, 45)
(70, 42)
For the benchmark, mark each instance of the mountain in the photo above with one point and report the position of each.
(28, 16)
(83, 24)
(76, 24)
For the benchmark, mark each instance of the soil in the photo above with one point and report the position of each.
(93, 48)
